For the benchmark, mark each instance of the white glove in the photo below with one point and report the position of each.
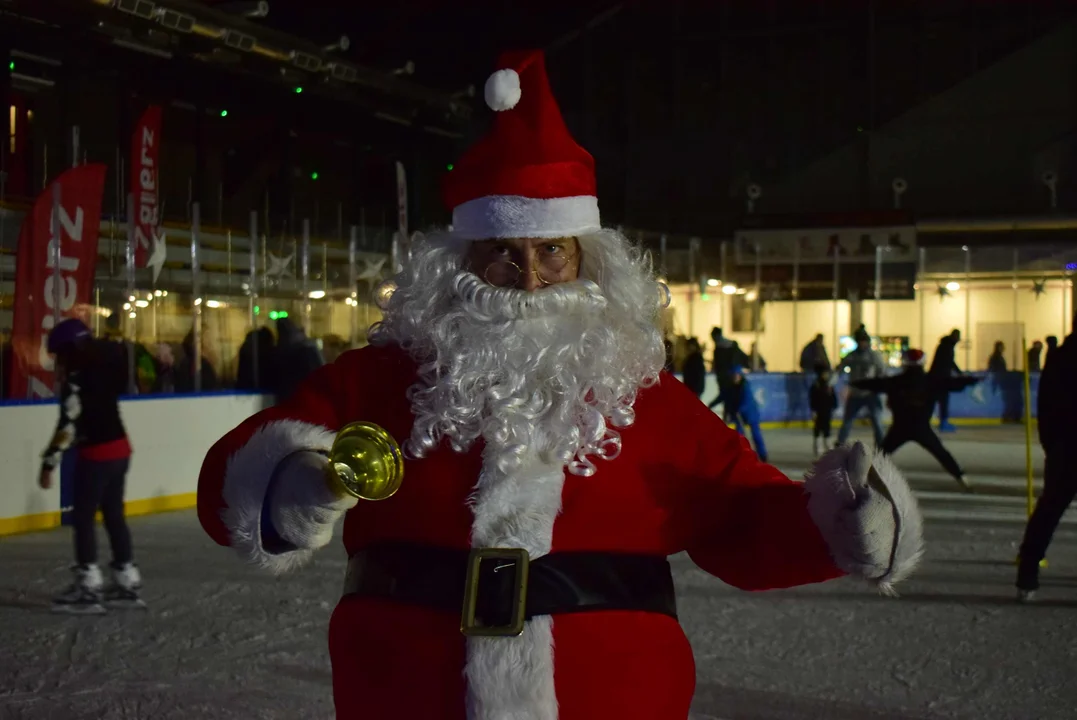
(866, 513)
(302, 506)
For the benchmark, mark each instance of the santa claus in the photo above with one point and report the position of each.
(551, 465)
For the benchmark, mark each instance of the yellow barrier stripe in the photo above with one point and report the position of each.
(50, 520)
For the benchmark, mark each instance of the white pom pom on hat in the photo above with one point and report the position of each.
(502, 90)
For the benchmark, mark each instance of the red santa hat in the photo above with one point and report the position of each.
(912, 357)
(527, 178)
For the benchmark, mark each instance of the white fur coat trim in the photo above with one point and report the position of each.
(513, 216)
(247, 479)
(512, 678)
(838, 506)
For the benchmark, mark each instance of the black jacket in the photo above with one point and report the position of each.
(911, 395)
(295, 357)
(823, 399)
(944, 363)
(1056, 401)
(89, 401)
(695, 373)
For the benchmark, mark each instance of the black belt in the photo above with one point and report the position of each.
(497, 589)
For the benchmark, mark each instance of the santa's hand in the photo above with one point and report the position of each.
(303, 508)
(867, 514)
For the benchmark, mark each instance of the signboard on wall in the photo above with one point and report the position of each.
(819, 246)
(814, 257)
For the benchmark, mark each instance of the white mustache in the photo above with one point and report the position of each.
(483, 301)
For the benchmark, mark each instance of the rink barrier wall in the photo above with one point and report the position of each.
(783, 399)
(170, 436)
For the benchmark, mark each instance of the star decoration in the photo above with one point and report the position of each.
(278, 267)
(372, 270)
(159, 254)
(943, 291)
(1039, 287)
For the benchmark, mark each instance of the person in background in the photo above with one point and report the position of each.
(166, 369)
(813, 355)
(694, 373)
(823, 403)
(943, 365)
(1056, 406)
(1034, 354)
(255, 370)
(861, 364)
(1052, 346)
(92, 376)
(996, 362)
(333, 346)
(738, 399)
(758, 363)
(145, 377)
(184, 370)
(725, 358)
(295, 358)
(911, 398)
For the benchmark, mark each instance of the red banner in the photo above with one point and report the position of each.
(37, 273)
(145, 152)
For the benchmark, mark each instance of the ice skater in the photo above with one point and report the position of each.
(1056, 405)
(943, 365)
(739, 403)
(911, 398)
(861, 364)
(823, 403)
(92, 377)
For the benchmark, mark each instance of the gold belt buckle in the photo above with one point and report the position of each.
(520, 562)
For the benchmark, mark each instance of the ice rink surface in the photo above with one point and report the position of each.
(222, 641)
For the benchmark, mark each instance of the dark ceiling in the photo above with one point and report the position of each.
(452, 44)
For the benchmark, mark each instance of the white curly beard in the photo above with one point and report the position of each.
(546, 375)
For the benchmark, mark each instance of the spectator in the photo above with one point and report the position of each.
(694, 374)
(255, 371)
(184, 371)
(296, 357)
(1034, 354)
(814, 355)
(823, 403)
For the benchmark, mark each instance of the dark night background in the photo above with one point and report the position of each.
(682, 103)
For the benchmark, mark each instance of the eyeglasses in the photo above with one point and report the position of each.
(548, 269)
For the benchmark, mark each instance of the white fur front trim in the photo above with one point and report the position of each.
(512, 678)
(512, 216)
(247, 479)
(846, 514)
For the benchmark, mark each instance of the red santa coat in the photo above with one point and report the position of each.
(683, 482)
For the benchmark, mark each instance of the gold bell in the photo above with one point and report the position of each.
(365, 462)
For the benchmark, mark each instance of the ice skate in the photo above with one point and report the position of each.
(123, 592)
(1026, 596)
(83, 597)
(963, 481)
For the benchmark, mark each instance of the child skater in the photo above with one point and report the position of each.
(92, 376)
(738, 401)
(823, 403)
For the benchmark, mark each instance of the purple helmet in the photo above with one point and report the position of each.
(68, 333)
